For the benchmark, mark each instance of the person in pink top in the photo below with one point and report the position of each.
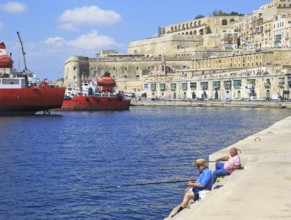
(224, 169)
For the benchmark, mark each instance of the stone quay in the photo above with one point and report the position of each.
(261, 190)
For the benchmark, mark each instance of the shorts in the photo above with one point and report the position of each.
(196, 196)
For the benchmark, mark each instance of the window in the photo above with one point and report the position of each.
(237, 84)
(227, 84)
(184, 86)
(216, 84)
(193, 85)
(173, 86)
(204, 85)
(224, 22)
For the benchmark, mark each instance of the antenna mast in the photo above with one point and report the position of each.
(23, 52)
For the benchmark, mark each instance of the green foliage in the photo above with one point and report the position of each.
(199, 16)
(222, 13)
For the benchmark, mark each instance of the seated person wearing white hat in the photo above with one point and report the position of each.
(204, 182)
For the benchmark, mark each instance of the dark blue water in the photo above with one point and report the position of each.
(69, 165)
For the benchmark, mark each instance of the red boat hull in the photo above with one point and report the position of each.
(28, 101)
(95, 103)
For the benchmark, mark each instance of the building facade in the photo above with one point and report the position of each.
(216, 57)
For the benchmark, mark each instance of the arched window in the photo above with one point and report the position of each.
(224, 22)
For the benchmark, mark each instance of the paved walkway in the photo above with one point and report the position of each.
(262, 190)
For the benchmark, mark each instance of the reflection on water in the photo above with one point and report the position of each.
(93, 165)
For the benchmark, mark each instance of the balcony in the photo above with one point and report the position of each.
(281, 86)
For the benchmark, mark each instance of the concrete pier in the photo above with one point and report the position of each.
(248, 104)
(261, 191)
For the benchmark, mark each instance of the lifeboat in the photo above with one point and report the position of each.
(5, 61)
(106, 81)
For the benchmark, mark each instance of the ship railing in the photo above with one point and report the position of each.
(104, 94)
(98, 94)
(4, 75)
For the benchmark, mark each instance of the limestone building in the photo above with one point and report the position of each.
(219, 57)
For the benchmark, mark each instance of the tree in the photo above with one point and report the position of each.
(222, 13)
(234, 13)
(199, 16)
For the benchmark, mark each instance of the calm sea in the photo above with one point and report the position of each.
(112, 165)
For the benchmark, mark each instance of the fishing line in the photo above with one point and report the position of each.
(152, 183)
(100, 189)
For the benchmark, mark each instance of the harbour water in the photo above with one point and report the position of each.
(113, 165)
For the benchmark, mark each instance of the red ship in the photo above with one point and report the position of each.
(97, 98)
(20, 95)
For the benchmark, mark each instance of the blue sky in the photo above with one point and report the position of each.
(56, 29)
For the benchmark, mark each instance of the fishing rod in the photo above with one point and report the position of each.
(162, 182)
(153, 183)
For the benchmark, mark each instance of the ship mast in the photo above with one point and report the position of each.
(23, 52)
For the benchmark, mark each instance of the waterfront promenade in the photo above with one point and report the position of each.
(249, 104)
(262, 190)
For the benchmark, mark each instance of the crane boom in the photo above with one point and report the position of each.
(23, 52)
